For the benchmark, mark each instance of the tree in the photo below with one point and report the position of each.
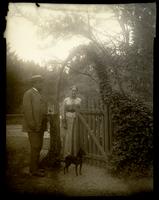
(138, 54)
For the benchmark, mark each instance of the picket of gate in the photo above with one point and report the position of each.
(93, 125)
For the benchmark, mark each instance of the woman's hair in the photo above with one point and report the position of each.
(74, 88)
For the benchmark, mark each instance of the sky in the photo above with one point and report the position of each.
(23, 37)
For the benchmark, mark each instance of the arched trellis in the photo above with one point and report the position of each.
(53, 155)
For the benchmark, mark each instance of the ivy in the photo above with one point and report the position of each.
(132, 148)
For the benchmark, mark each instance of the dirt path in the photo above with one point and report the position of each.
(94, 181)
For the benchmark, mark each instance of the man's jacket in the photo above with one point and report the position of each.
(34, 110)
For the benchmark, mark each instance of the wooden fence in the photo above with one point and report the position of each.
(14, 119)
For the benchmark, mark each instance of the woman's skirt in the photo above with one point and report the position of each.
(69, 138)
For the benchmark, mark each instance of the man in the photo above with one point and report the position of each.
(35, 111)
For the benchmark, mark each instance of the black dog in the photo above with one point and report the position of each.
(76, 160)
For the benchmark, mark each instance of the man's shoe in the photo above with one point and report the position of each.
(38, 173)
(41, 170)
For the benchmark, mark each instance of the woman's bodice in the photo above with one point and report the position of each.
(72, 104)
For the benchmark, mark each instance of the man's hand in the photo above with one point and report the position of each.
(64, 123)
(38, 129)
(32, 126)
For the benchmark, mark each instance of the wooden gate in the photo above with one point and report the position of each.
(93, 125)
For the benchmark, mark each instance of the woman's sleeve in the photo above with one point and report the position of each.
(79, 102)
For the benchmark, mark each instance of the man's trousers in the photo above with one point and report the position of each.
(36, 142)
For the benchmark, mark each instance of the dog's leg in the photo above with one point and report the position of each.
(80, 168)
(67, 168)
(76, 170)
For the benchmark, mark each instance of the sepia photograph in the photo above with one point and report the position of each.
(79, 99)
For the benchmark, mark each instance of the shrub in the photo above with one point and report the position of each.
(132, 136)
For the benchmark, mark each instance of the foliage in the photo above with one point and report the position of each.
(138, 25)
(133, 136)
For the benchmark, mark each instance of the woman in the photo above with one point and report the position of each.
(70, 105)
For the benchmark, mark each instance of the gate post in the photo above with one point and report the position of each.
(106, 128)
(110, 128)
(52, 158)
(55, 144)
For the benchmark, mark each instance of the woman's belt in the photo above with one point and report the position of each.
(71, 111)
(70, 114)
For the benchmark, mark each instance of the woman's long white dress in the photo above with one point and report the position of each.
(69, 140)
